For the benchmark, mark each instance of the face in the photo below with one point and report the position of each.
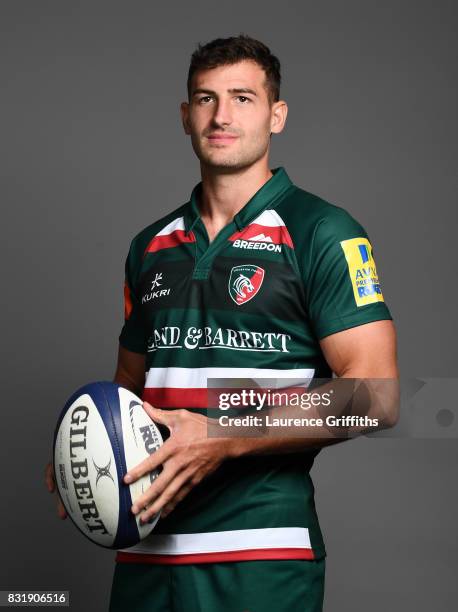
(229, 116)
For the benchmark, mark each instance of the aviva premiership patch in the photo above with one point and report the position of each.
(244, 283)
(362, 270)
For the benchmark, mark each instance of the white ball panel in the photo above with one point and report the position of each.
(141, 439)
(86, 471)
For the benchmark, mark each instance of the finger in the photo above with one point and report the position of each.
(149, 464)
(49, 478)
(60, 506)
(61, 509)
(156, 489)
(168, 496)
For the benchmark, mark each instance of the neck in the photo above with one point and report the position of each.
(225, 194)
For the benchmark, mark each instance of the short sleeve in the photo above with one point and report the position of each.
(133, 336)
(342, 287)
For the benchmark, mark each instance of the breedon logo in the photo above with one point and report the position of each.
(245, 282)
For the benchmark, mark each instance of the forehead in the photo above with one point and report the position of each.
(243, 74)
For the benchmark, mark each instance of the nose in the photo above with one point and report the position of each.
(223, 115)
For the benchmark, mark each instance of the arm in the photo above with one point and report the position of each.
(189, 455)
(364, 352)
(130, 370)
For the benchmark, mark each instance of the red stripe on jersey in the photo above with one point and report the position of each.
(203, 397)
(218, 557)
(127, 302)
(169, 397)
(278, 234)
(168, 241)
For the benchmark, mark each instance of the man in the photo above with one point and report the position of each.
(252, 278)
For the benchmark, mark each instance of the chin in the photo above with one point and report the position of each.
(226, 165)
(226, 162)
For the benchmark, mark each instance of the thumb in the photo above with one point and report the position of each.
(156, 414)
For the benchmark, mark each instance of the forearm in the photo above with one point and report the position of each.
(356, 408)
(128, 382)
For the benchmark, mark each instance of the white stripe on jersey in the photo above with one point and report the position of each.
(173, 226)
(197, 378)
(269, 218)
(223, 541)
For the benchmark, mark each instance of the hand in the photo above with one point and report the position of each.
(51, 485)
(187, 456)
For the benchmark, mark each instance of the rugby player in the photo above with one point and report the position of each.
(252, 278)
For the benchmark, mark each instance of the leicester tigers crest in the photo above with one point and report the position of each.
(244, 283)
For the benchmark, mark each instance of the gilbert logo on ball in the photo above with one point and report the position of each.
(102, 432)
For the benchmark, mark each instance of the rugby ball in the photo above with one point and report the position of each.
(102, 432)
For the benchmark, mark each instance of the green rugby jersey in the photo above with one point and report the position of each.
(289, 270)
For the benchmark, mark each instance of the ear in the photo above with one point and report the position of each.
(184, 109)
(278, 116)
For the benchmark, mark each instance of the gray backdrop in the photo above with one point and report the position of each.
(92, 151)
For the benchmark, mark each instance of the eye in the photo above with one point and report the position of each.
(204, 99)
(243, 99)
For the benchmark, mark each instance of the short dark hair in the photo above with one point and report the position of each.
(225, 51)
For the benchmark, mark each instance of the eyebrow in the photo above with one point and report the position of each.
(237, 90)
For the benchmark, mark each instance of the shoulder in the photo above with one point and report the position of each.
(321, 233)
(173, 220)
(308, 216)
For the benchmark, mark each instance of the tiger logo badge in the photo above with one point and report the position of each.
(245, 282)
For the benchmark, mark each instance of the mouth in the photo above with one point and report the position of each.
(221, 138)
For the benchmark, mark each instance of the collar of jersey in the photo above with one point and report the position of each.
(274, 188)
